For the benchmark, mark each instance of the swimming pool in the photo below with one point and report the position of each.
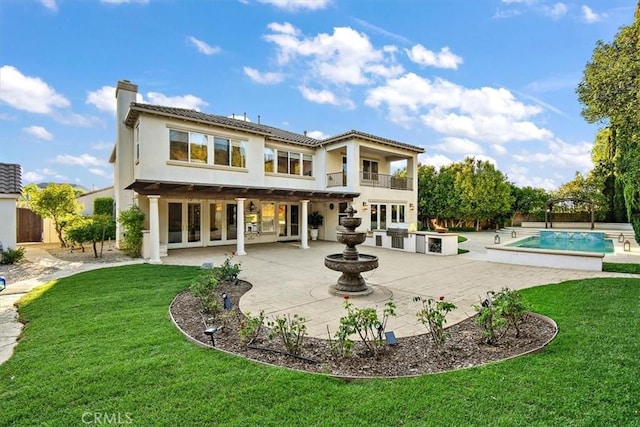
(567, 241)
(575, 250)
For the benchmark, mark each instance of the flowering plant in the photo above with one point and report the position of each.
(433, 315)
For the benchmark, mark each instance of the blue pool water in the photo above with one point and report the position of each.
(567, 241)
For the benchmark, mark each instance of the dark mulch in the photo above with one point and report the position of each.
(414, 355)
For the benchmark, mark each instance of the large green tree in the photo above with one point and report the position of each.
(610, 94)
(57, 202)
(484, 191)
(527, 200)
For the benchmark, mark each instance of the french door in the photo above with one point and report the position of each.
(288, 222)
(184, 224)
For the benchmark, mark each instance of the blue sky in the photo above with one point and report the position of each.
(494, 79)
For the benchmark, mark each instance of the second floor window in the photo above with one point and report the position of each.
(287, 162)
(196, 147)
(370, 170)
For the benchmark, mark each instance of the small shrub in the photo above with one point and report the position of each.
(499, 312)
(512, 307)
(227, 271)
(342, 346)
(204, 288)
(132, 220)
(250, 328)
(433, 315)
(489, 319)
(364, 322)
(11, 256)
(290, 330)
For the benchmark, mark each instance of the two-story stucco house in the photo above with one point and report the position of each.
(206, 180)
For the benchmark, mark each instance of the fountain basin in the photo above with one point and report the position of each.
(351, 281)
(351, 239)
(364, 263)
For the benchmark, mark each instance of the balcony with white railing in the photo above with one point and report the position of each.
(372, 179)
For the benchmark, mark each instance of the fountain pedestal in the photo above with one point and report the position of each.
(350, 262)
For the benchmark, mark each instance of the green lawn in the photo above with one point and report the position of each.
(101, 343)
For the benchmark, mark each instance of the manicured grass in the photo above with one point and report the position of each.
(101, 342)
(462, 239)
(619, 267)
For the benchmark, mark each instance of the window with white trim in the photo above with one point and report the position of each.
(194, 147)
(287, 162)
(370, 170)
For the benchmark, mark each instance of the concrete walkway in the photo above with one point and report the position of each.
(288, 280)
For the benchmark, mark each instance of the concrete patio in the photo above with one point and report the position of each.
(288, 280)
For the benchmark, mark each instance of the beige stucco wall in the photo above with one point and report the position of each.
(8, 220)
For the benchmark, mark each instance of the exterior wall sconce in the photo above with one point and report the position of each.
(411, 207)
(364, 206)
(627, 246)
(621, 238)
(496, 239)
(252, 207)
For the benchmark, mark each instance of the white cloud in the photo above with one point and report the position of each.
(458, 145)
(323, 97)
(38, 132)
(499, 149)
(50, 4)
(42, 174)
(317, 134)
(561, 155)
(556, 11)
(294, 5)
(590, 17)
(437, 160)
(85, 160)
(203, 47)
(102, 145)
(263, 78)
(443, 59)
(485, 114)
(344, 57)
(185, 101)
(522, 177)
(101, 172)
(382, 31)
(104, 99)
(28, 93)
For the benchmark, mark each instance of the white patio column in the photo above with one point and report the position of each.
(304, 244)
(240, 225)
(154, 230)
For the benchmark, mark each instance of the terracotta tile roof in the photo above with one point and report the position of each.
(10, 178)
(269, 132)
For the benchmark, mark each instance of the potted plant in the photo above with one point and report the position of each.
(315, 220)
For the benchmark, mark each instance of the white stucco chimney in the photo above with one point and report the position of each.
(126, 93)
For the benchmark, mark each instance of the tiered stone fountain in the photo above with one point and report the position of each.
(350, 262)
